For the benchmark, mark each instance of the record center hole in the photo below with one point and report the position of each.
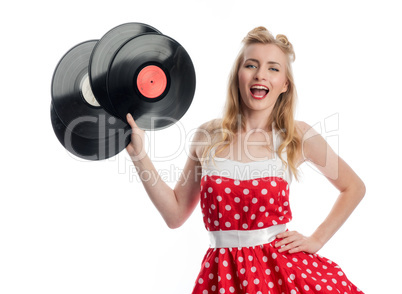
(87, 93)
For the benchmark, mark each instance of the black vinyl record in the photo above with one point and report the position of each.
(81, 124)
(153, 78)
(103, 53)
(86, 148)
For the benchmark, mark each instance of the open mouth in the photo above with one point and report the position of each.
(259, 91)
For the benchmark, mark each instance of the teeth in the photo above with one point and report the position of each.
(260, 87)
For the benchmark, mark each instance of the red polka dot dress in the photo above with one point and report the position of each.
(244, 206)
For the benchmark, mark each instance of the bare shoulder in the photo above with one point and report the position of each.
(203, 136)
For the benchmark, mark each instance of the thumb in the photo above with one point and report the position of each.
(130, 121)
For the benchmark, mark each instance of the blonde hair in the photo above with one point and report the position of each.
(282, 113)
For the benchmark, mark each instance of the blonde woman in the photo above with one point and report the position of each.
(252, 155)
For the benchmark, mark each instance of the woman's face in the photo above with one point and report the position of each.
(262, 76)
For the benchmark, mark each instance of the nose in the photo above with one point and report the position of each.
(260, 74)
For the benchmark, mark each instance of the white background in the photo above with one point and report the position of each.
(73, 226)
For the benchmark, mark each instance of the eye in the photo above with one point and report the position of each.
(250, 66)
(273, 69)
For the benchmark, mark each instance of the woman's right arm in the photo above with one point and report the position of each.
(175, 205)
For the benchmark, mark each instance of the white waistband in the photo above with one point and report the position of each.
(234, 238)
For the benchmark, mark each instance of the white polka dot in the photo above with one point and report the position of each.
(200, 281)
(344, 283)
(265, 259)
(250, 258)
(245, 283)
(340, 273)
(274, 222)
(271, 201)
(222, 251)
(274, 255)
(260, 224)
(253, 216)
(305, 262)
(246, 191)
(245, 226)
(255, 183)
(292, 277)
(210, 190)
(221, 290)
(254, 200)
(264, 191)
(218, 181)
(253, 269)
(242, 271)
(334, 281)
(227, 190)
(228, 207)
(225, 263)
(237, 216)
(219, 198)
(280, 282)
(285, 203)
(216, 259)
(315, 264)
(211, 276)
(277, 269)
(213, 288)
(237, 199)
(245, 208)
(306, 287)
(237, 182)
(207, 264)
(231, 289)
(228, 276)
(266, 214)
(271, 285)
(220, 215)
(324, 280)
(228, 224)
(318, 287)
(205, 292)
(262, 208)
(216, 223)
(256, 281)
(329, 288)
(304, 275)
(283, 193)
(268, 271)
(293, 292)
(273, 184)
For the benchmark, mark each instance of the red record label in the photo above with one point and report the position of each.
(151, 81)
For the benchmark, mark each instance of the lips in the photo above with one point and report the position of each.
(259, 91)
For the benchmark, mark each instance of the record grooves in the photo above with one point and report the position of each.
(83, 128)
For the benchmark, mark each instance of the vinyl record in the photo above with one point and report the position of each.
(103, 53)
(85, 148)
(152, 77)
(75, 107)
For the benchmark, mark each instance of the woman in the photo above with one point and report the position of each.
(253, 153)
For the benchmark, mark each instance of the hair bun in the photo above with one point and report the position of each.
(283, 39)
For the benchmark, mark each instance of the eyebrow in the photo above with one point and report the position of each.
(269, 62)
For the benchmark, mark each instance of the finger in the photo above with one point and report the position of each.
(131, 121)
(290, 246)
(287, 240)
(286, 234)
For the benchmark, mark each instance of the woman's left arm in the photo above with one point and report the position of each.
(352, 189)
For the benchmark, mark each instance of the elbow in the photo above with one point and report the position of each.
(174, 224)
(361, 190)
